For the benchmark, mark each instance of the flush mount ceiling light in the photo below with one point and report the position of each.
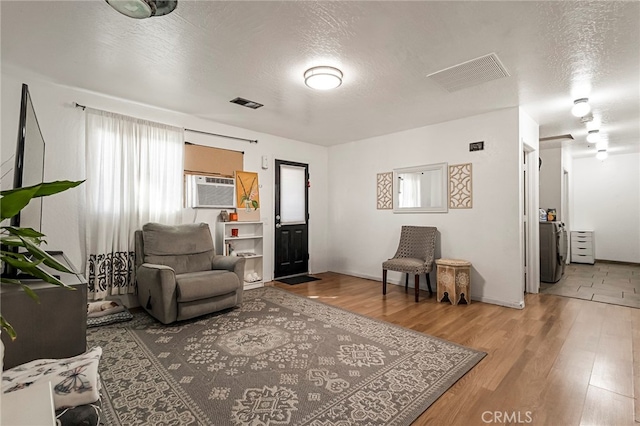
(323, 78)
(602, 154)
(580, 107)
(593, 136)
(140, 9)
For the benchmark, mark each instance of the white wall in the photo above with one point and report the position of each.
(551, 180)
(488, 235)
(606, 200)
(63, 130)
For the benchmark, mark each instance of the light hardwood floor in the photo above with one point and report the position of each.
(559, 361)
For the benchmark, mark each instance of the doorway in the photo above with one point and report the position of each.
(291, 219)
(530, 219)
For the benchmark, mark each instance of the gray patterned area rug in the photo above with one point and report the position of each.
(279, 359)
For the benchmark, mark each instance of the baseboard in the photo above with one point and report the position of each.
(514, 305)
(617, 262)
(491, 301)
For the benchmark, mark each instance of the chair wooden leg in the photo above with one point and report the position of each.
(429, 284)
(406, 283)
(417, 284)
(384, 281)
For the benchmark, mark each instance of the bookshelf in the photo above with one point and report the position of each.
(248, 244)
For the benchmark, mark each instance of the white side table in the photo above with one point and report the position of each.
(31, 406)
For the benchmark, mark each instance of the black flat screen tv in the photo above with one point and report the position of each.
(29, 162)
(28, 168)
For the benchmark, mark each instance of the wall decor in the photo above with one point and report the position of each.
(420, 189)
(384, 191)
(460, 186)
(247, 196)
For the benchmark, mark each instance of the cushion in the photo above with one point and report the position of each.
(165, 240)
(109, 319)
(102, 308)
(406, 264)
(203, 285)
(74, 380)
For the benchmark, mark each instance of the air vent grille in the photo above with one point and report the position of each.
(568, 137)
(471, 73)
(247, 103)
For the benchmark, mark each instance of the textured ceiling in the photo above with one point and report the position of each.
(206, 53)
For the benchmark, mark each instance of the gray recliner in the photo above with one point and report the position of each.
(179, 276)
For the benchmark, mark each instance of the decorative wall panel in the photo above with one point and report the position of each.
(385, 191)
(460, 186)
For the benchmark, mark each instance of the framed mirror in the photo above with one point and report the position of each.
(420, 189)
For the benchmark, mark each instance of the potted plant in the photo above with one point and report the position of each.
(31, 261)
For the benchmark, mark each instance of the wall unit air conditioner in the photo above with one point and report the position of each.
(211, 192)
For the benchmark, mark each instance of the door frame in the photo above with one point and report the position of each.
(276, 205)
(531, 232)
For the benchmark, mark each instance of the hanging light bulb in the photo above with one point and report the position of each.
(580, 107)
(602, 154)
(593, 136)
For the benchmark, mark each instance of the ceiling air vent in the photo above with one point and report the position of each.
(567, 137)
(470, 73)
(246, 102)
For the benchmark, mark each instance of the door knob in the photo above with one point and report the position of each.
(278, 225)
(277, 217)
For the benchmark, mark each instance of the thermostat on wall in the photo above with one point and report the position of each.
(476, 146)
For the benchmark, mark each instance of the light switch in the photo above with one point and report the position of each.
(265, 162)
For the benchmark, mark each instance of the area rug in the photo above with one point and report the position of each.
(297, 280)
(279, 359)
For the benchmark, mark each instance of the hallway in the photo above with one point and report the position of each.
(614, 283)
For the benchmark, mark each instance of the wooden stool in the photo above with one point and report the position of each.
(453, 279)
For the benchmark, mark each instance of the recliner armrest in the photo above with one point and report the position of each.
(157, 284)
(230, 263)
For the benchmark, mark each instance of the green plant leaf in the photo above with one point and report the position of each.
(255, 204)
(5, 280)
(32, 294)
(46, 258)
(7, 327)
(14, 200)
(23, 232)
(32, 268)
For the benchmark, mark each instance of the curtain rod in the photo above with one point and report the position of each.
(222, 136)
(77, 105)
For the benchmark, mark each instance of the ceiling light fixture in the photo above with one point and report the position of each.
(602, 154)
(602, 145)
(323, 78)
(580, 107)
(140, 9)
(593, 136)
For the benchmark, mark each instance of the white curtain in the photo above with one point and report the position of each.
(409, 190)
(134, 174)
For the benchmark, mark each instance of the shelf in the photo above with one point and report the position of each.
(243, 237)
(253, 256)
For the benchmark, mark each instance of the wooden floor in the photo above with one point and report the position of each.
(559, 361)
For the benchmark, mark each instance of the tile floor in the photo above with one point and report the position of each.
(614, 283)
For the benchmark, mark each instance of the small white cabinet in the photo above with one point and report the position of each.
(247, 242)
(583, 249)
